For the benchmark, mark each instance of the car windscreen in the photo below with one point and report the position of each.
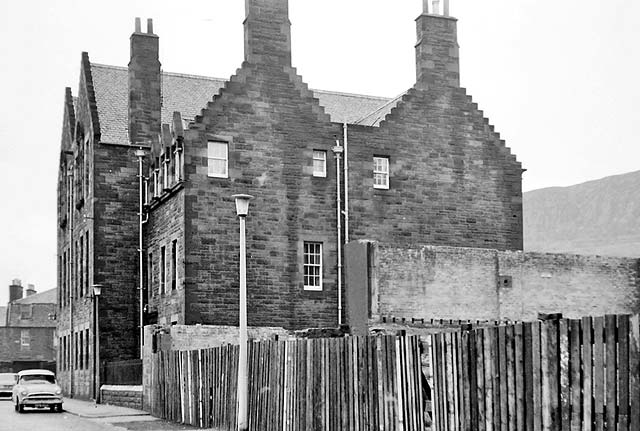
(37, 379)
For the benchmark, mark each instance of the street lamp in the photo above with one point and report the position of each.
(97, 290)
(242, 209)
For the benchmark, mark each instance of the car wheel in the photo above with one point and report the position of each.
(15, 406)
(20, 408)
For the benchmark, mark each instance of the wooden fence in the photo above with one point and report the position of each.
(569, 375)
(352, 383)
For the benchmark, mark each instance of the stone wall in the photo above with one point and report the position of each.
(165, 225)
(434, 282)
(121, 395)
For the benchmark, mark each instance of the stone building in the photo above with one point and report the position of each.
(28, 329)
(425, 167)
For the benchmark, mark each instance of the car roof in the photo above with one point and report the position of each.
(35, 373)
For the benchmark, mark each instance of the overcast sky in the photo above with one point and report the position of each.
(559, 80)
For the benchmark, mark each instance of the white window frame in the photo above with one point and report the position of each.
(306, 265)
(381, 172)
(320, 156)
(25, 338)
(225, 159)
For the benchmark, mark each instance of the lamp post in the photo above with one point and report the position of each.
(242, 209)
(97, 290)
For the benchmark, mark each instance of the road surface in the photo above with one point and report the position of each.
(43, 420)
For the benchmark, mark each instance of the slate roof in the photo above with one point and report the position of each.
(376, 116)
(189, 94)
(46, 297)
(3, 316)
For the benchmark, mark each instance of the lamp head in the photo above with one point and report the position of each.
(140, 153)
(97, 289)
(242, 204)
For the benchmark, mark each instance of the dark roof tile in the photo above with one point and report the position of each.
(189, 94)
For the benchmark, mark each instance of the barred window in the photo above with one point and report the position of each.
(312, 266)
(380, 172)
(319, 163)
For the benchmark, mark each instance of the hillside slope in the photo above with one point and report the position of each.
(596, 217)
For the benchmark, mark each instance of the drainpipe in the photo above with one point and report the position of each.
(337, 150)
(140, 153)
(346, 183)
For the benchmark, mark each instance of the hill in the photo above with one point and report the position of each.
(596, 217)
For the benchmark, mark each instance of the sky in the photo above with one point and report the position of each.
(558, 80)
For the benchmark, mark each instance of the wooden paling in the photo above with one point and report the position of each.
(559, 374)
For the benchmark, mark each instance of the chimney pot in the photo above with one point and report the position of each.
(425, 6)
(138, 26)
(149, 26)
(446, 8)
(436, 7)
(31, 289)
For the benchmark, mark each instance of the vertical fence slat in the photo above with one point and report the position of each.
(587, 374)
(480, 395)
(634, 372)
(518, 339)
(511, 378)
(611, 365)
(623, 373)
(598, 372)
(536, 364)
(504, 376)
(564, 368)
(576, 388)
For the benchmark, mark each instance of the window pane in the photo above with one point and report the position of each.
(218, 150)
(217, 167)
(312, 268)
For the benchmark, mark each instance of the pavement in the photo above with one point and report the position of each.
(89, 409)
(120, 418)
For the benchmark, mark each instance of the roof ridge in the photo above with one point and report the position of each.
(340, 93)
(213, 78)
(164, 72)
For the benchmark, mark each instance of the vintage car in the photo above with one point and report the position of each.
(7, 380)
(37, 388)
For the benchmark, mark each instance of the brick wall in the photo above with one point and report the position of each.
(116, 236)
(81, 134)
(463, 283)
(41, 344)
(165, 225)
(194, 337)
(272, 126)
(452, 180)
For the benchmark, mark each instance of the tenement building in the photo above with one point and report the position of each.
(324, 168)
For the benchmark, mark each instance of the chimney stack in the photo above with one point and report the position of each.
(437, 62)
(15, 290)
(31, 290)
(144, 86)
(267, 32)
